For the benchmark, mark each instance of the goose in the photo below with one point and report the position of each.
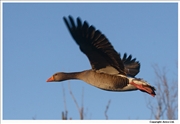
(109, 71)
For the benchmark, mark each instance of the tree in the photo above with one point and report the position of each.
(166, 103)
(80, 109)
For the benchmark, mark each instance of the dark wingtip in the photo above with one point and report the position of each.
(131, 66)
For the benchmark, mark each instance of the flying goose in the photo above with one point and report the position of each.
(109, 72)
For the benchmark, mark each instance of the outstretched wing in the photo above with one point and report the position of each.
(95, 46)
(131, 66)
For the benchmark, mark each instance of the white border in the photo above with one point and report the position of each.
(74, 121)
(1, 62)
(89, 1)
(88, 121)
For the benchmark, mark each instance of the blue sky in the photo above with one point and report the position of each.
(36, 44)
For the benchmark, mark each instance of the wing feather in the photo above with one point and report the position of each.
(131, 66)
(95, 46)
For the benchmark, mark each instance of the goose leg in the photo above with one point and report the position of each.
(145, 88)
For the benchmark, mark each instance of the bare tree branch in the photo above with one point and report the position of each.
(64, 115)
(82, 106)
(166, 97)
(107, 107)
(79, 109)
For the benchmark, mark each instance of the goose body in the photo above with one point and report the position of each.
(109, 71)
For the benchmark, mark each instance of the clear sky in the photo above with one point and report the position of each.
(36, 44)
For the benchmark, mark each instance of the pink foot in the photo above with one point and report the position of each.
(146, 88)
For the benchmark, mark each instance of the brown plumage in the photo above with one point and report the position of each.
(109, 71)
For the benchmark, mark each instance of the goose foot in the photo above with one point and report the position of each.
(145, 88)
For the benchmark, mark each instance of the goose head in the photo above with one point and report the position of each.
(57, 77)
(61, 76)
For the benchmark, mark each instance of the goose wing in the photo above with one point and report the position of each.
(131, 66)
(95, 46)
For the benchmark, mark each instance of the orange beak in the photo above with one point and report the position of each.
(50, 79)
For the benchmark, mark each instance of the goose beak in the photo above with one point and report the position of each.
(50, 79)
